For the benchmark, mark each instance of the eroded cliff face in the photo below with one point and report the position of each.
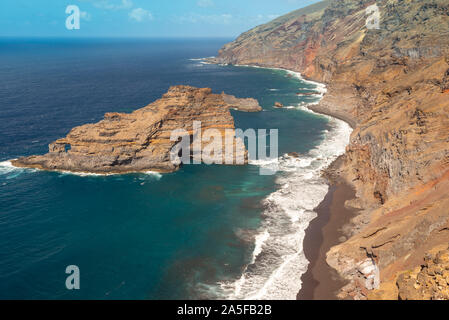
(392, 85)
(141, 140)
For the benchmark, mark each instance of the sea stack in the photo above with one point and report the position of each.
(140, 141)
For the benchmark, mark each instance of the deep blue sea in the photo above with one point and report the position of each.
(184, 235)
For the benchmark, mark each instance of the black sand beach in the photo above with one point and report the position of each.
(321, 282)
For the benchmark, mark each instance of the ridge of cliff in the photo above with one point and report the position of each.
(141, 140)
(392, 85)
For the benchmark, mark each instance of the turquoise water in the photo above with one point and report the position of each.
(136, 236)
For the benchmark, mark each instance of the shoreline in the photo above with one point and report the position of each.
(320, 281)
(321, 110)
(308, 248)
(9, 164)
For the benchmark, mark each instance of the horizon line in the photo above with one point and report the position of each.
(116, 37)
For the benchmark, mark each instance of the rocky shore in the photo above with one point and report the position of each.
(392, 85)
(141, 141)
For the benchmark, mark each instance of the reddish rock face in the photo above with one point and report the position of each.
(140, 141)
(391, 85)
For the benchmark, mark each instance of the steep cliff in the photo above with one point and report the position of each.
(392, 85)
(141, 140)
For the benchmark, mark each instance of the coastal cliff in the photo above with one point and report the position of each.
(392, 85)
(141, 141)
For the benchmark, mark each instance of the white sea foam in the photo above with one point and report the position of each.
(84, 174)
(265, 162)
(7, 165)
(10, 171)
(6, 168)
(319, 87)
(278, 260)
(202, 61)
(154, 174)
(260, 241)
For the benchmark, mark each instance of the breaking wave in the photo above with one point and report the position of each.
(6, 168)
(278, 260)
(9, 171)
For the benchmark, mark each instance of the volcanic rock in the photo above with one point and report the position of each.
(140, 141)
(278, 105)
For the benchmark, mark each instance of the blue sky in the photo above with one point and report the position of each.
(141, 18)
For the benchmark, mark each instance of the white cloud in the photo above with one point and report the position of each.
(262, 18)
(85, 15)
(273, 16)
(114, 4)
(209, 19)
(139, 15)
(223, 19)
(205, 3)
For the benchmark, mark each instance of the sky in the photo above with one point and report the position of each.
(140, 18)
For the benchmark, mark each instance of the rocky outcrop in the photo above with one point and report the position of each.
(246, 105)
(278, 105)
(141, 140)
(429, 281)
(391, 85)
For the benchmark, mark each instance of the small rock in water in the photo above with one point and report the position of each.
(314, 93)
(278, 105)
(293, 154)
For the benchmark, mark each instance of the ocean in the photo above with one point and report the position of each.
(212, 232)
